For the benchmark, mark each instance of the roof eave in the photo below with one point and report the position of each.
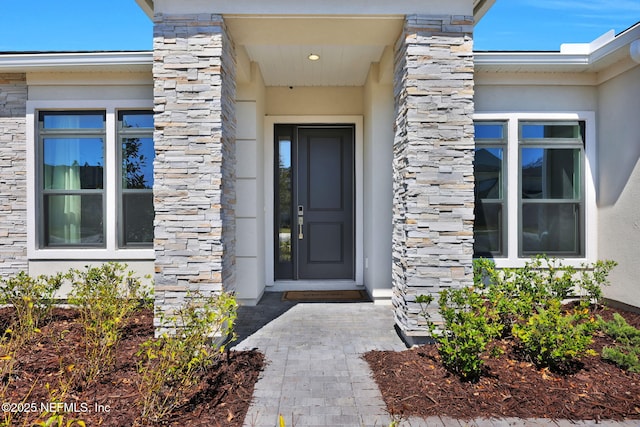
(21, 62)
(613, 50)
(480, 7)
(147, 7)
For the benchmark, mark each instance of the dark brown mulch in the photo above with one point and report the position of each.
(221, 399)
(414, 383)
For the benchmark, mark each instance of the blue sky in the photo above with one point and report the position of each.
(43, 25)
(546, 24)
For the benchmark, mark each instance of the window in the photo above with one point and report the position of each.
(490, 189)
(551, 183)
(532, 195)
(135, 132)
(82, 201)
(72, 177)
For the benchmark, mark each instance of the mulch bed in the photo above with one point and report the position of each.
(221, 399)
(414, 383)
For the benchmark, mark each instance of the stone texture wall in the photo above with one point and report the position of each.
(433, 162)
(13, 174)
(194, 189)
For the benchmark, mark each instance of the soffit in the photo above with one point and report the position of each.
(281, 45)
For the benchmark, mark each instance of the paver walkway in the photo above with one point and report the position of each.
(315, 375)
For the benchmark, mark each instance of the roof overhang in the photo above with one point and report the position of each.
(607, 52)
(480, 7)
(76, 61)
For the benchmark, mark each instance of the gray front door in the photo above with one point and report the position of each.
(321, 208)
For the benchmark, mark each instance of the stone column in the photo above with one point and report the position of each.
(194, 170)
(13, 174)
(432, 164)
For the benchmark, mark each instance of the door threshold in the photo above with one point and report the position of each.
(314, 285)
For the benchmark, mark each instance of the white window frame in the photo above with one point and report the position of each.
(511, 258)
(110, 251)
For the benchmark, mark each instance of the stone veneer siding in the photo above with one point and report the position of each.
(13, 174)
(433, 163)
(194, 170)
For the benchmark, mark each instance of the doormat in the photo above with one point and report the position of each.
(325, 296)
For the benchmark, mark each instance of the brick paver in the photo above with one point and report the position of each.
(315, 375)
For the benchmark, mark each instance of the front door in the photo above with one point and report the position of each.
(314, 202)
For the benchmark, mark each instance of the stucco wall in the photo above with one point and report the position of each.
(140, 268)
(90, 86)
(314, 100)
(250, 194)
(378, 180)
(520, 98)
(619, 183)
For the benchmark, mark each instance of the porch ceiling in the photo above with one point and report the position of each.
(346, 46)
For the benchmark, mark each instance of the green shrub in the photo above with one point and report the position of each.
(175, 361)
(593, 279)
(524, 302)
(627, 352)
(555, 339)
(106, 296)
(468, 326)
(32, 298)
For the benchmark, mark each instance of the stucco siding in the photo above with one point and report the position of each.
(315, 101)
(536, 98)
(378, 186)
(619, 183)
(250, 230)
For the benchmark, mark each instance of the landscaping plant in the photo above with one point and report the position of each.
(105, 296)
(468, 326)
(194, 341)
(626, 353)
(553, 338)
(522, 303)
(32, 299)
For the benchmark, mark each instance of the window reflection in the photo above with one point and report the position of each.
(489, 171)
(285, 203)
(551, 182)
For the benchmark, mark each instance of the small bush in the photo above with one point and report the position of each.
(106, 297)
(468, 326)
(593, 279)
(555, 339)
(32, 299)
(521, 302)
(626, 354)
(174, 362)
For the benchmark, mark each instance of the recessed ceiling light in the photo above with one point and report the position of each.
(313, 57)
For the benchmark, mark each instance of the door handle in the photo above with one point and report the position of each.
(300, 222)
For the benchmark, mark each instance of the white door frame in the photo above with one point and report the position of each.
(283, 285)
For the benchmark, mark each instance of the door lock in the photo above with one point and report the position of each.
(300, 222)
